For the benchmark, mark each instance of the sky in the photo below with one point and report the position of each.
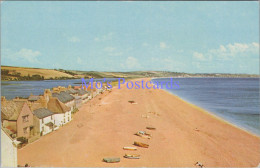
(192, 37)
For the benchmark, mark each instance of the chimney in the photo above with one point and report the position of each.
(47, 94)
(69, 87)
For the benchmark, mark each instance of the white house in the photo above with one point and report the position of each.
(65, 98)
(8, 151)
(62, 113)
(84, 95)
(43, 121)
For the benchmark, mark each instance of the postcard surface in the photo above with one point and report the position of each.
(130, 84)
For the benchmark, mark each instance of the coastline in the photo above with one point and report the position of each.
(213, 115)
(109, 122)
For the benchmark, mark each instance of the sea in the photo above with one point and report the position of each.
(12, 89)
(235, 100)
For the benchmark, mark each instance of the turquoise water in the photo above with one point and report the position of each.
(234, 99)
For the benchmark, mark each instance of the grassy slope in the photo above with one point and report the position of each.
(47, 73)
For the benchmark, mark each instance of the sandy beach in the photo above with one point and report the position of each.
(184, 135)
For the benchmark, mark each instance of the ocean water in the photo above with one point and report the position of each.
(12, 89)
(233, 99)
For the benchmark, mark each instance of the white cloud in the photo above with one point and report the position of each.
(74, 39)
(30, 55)
(104, 37)
(163, 45)
(24, 54)
(198, 56)
(131, 63)
(240, 57)
(229, 52)
(237, 49)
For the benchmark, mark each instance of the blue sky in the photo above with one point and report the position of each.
(194, 37)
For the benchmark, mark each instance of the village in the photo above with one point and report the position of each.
(25, 120)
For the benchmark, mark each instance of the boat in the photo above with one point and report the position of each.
(132, 156)
(129, 148)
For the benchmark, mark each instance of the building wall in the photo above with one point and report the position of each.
(62, 118)
(70, 104)
(58, 119)
(44, 128)
(21, 124)
(68, 116)
(36, 126)
(8, 151)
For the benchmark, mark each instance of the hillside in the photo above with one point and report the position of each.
(23, 73)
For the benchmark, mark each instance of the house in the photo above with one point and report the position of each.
(62, 113)
(43, 121)
(8, 150)
(65, 98)
(84, 95)
(58, 89)
(17, 117)
(72, 91)
(78, 101)
(33, 98)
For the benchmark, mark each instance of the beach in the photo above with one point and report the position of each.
(185, 134)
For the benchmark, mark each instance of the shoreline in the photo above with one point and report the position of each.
(185, 134)
(212, 114)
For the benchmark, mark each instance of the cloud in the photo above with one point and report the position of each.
(163, 45)
(24, 54)
(234, 50)
(229, 52)
(74, 39)
(237, 57)
(131, 63)
(104, 37)
(198, 56)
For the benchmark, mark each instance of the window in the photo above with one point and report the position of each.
(25, 130)
(25, 118)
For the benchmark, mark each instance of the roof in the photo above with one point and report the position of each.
(82, 92)
(64, 97)
(42, 113)
(49, 124)
(11, 109)
(33, 98)
(72, 91)
(56, 106)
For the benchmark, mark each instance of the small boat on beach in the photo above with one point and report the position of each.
(143, 134)
(129, 148)
(140, 144)
(132, 156)
(151, 128)
(111, 160)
